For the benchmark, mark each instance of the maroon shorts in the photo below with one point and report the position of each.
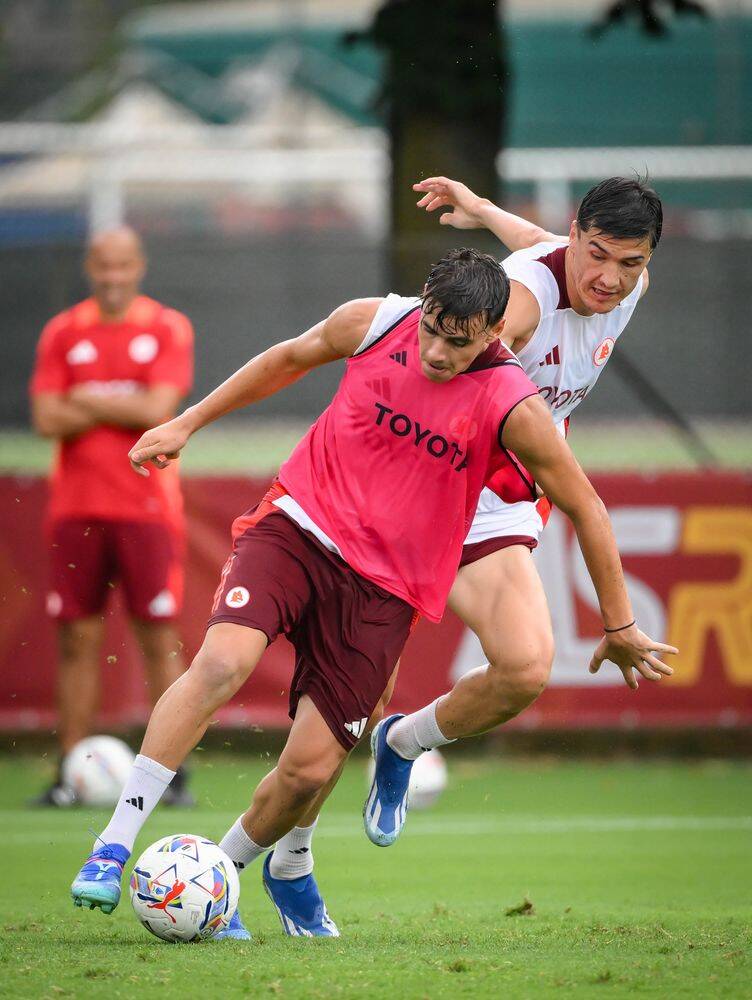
(88, 557)
(347, 632)
(477, 550)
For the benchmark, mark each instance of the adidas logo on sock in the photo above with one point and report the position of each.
(299, 850)
(137, 801)
(400, 357)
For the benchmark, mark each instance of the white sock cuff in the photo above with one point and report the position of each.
(240, 848)
(429, 728)
(306, 829)
(154, 768)
(417, 732)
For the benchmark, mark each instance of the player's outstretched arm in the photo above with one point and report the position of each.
(336, 337)
(530, 433)
(469, 211)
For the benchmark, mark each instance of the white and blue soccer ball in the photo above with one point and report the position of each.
(97, 769)
(184, 888)
(428, 779)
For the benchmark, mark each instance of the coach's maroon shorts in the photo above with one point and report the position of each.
(347, 632)
(89, 557)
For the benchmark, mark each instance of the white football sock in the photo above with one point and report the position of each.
(417, 732)
(293, 856)
(143, 790)
(239, 847)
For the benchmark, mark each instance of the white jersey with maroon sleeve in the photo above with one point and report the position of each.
(564, 358)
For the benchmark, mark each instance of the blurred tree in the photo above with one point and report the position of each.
(650, 14)
(445, 92)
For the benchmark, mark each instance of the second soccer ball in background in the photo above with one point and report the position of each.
(428, 779)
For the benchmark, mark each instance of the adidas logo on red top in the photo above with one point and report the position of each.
(400, 357)
(552, 358)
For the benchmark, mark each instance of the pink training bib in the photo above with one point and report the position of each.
(392, 470)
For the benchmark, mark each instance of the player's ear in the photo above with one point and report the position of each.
(496, 330)
(574, 231)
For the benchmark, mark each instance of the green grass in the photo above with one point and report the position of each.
(259, 447)
(639, 878)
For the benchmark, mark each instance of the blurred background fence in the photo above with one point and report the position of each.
(246, 141)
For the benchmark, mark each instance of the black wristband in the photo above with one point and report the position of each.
(620, 628)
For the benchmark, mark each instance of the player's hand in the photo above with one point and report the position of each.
(441, 192)
(630, 649)
(160, 446)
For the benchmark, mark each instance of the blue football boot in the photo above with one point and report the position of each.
(98, 882)
(235, 930)
(385, 810)
(299, 905)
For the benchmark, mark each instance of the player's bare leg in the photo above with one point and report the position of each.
(307, 770)
(309, 761)
(78, 682)
(164, 663)
(312, 814)
(79, 645)
(162, 654)
(226, 658)
(501, 598)
(225, 661)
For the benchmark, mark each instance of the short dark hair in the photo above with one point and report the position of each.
(465, 284)
(623, 208)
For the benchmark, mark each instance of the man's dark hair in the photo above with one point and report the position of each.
(464, 285)
(622, 208)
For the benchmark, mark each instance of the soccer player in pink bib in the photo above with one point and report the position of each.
(362, 531)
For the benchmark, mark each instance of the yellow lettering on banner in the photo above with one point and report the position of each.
(697, 609)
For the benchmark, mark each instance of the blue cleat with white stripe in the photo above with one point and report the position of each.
(385, 811)
(98, 882)
(235, 930)
(299, 905)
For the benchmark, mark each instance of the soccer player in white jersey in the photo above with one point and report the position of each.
(571, 298)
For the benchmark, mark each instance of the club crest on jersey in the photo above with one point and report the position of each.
(463, 427)
(82, 353)
(603, 351)
(237, 597)
(143, 348)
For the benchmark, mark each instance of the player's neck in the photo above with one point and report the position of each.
(575, 301)
(108, 315)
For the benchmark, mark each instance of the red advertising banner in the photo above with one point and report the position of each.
(686, 543)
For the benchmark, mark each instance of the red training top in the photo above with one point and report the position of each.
(152, 345)
(393, 468)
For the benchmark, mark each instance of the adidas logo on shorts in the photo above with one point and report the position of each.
(357, 728)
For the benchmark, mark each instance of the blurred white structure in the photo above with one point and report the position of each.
(112, 165)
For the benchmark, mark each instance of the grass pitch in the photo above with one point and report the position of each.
(259, 447)
(637, 878)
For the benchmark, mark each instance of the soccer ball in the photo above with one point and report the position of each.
(96, 769)
(184, 888)
(428, 779)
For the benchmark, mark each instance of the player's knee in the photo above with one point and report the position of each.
(301, 779)
(220, 672)
(516, 680)
(79, 640)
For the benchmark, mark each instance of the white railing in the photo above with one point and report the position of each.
(115, 156)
